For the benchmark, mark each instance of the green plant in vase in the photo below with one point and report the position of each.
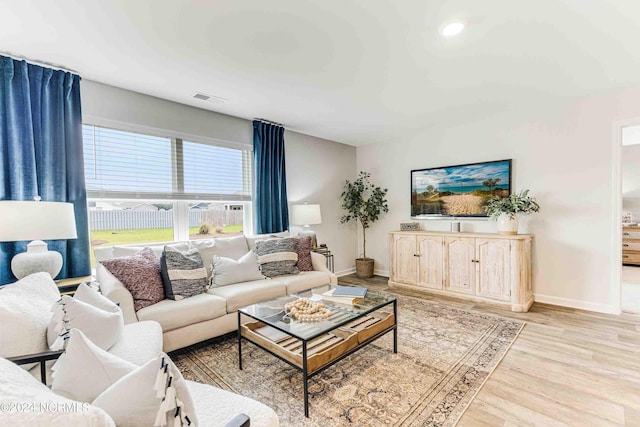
(364, 202)
(505, 210)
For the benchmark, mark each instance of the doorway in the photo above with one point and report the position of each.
(630, 177)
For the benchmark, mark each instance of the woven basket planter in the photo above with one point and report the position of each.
(364, 267)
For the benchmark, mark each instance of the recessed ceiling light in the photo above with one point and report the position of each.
(452, 29)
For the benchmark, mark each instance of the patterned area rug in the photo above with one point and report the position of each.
(444, 357)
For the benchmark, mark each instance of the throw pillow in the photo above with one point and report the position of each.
(252, 240)
(304, 254)
(85, 370)
(25, 314)
(229, 247)
(183, 275)
(277, 257)
(155, 394)
(227, 271)
(140, 274)
(98, 318)
(18, 389)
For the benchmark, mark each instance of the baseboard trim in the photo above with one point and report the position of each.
(345, 272)
(384, 273)
(574, 303)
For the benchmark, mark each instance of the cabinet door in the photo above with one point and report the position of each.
(459, 264)
(430, 262)
(404, 259)
(493, 268)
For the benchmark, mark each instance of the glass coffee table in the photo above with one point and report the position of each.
(311, 347)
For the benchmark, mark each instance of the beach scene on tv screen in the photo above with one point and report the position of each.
(458, 190)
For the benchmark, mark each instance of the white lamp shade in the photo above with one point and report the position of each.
(21, 220)
(305, 214)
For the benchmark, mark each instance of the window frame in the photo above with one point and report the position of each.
(181, 201)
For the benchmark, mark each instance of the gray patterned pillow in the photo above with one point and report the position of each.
(277, 257)
(183, 274)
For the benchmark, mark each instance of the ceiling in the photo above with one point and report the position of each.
(353, 71)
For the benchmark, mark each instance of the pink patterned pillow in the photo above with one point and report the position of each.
(304, 254)
(140, 274)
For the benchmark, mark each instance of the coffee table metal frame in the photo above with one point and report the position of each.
(305, 374)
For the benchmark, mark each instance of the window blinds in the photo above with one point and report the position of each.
(127, 165)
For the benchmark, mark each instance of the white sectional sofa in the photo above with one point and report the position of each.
(213, 313)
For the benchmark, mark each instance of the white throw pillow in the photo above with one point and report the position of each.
(25, 314)
(85, 370)
(95, 315)
(227, 271)
(18, 389)
(151, 392)
(229, 247)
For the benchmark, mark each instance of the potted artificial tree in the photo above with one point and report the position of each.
(364, 203)
(505, 210)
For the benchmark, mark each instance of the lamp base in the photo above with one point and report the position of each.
(36, 259)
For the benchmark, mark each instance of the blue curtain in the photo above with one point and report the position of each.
(41, 153)
(272, 212)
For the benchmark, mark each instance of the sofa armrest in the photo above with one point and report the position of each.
(319, 263)
(240, 420)
(113, 289)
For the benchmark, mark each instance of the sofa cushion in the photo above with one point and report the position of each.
(18, 387)
(139, 343)
(229, 247)
(305, 280)
(85, 370)
(251, 240)
(304, 254)
(227, 271)
(247, 293)
(25, 314)
(148, 395)
(176, 314)
(183, 274)
(120, 251)
(277, 257)
(216, 407)
(140, 274)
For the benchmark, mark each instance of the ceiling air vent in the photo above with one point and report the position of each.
(209, 98)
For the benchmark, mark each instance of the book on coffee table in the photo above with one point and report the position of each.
(349, 291)
(328, 296)
(272, 333)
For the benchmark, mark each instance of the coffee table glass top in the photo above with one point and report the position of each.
(272, 312)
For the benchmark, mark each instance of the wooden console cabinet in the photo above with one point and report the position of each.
(479, 266)
(631, 245)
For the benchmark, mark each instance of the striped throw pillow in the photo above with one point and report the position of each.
(183, 274)
(277, 257)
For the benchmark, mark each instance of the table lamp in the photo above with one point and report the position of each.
(37, 221)
(306, 215)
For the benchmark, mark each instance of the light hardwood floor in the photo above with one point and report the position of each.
(567, 367)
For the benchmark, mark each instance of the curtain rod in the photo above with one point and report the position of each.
(39, 63)
(269, 122)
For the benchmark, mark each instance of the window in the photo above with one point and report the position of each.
(144, 188)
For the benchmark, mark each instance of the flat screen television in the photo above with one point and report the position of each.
(460, 191)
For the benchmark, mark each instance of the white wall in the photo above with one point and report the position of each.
(316, 168)
(564, 155)
(316, 172)
(631, 180)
